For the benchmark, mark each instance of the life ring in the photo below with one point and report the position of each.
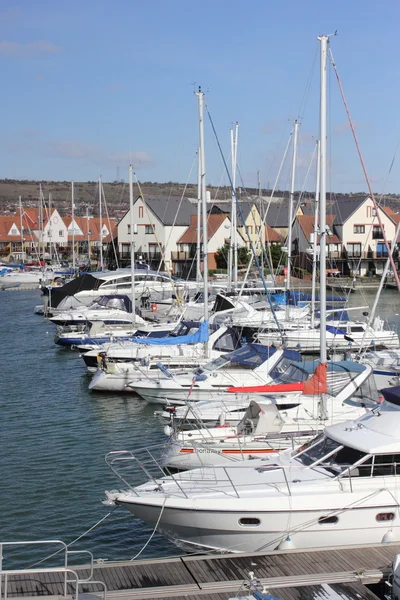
(154, 308)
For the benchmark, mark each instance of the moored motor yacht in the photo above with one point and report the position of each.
(340, 335)
(278, 419)
(253, 364)
(340, 489)
(111, 310)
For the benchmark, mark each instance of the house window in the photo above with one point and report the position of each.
(377, 233)
(381, 251)
(129, 230)
(359, 229)
(141, 212)
(148, 228)
(354, 250)
(61, 233)
(250, 229)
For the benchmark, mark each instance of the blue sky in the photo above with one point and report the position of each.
(87, 84)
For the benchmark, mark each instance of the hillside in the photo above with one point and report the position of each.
(117, 194)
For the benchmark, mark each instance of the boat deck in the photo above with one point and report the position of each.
(291, 574)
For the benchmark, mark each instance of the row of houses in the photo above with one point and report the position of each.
(166, 233)
(30, 235)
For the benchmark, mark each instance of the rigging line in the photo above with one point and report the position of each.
(181, 200)
(110, 226)
(259, 240)
(73, 541)
(245, 227)
(306, 92)
(155, 235)
(153, 532)
(264, 217)
(396, 275)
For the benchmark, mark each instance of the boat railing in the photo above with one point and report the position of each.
(129, 466)
(59, 580)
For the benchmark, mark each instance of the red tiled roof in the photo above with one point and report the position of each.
(271, 235)
(6, 223)
(395, 217)
(306, 223)
(214, 222)
(93, 224)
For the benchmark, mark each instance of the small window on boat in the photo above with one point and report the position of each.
(249, 521)
(328, 520)
(356, 329)
(385, 516)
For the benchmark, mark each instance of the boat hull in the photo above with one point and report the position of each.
(221, 531)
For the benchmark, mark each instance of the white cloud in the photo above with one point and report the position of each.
(29, 50)
(32, 141)
(97, 154)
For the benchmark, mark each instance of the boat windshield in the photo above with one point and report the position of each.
(110, 302)
(329, 454)
(248, 357)
(288, 371)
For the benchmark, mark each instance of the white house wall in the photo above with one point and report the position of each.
(364, 216)
(55, 230)
(223, 233)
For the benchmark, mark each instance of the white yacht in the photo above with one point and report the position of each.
(342, 488)
(275, 422)
(115, 309)
(85, 288)
(253, 364)
(184, 344)
(340, 335)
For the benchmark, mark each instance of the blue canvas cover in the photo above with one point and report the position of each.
(392, 394)
(201, 335)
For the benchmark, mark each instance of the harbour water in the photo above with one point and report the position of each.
(55, 434)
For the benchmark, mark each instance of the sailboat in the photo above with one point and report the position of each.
(293, 499)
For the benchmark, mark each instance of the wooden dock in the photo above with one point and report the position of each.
(288, 575)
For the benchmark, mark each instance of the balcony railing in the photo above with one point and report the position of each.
(182, 255)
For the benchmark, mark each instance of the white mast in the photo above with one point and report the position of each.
(198, 239)
(40, 222)
(232, 255)
(261, 211)
(132, 241)
(100, 224)
(21, 226)
(324, 39)
(315, 241)
(200, 96)
(50, 227)
(290, 219)
(88, 233)
(73, 226)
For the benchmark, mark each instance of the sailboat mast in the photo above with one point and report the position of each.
(290, 219)
(315, 244)
(200, 96)
(73, 226)
(40, 223)
(324, 39)
(22, 230)
(132, 241)
(232, 254)
(50, 228)
(101, 223)
(88, 233)
(198, 238)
